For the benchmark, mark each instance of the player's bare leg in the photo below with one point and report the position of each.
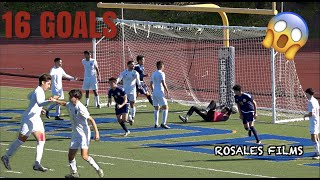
(97, 99)
(12, 149)
(40, 137)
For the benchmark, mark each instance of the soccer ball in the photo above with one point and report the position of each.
(234, 109)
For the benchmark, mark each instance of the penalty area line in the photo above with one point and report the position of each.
(161, 163)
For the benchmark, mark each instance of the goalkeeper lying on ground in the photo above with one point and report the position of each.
(211, 113)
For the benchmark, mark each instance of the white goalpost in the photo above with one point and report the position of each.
(203, 62)
(193, 65)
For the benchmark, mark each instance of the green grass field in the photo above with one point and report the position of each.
(134, 159)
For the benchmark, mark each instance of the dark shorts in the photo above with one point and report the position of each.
(144, 88)
(124, 109)
(247, 117)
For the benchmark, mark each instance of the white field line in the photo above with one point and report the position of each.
(106, 163)
(162, 163)
(15, 172)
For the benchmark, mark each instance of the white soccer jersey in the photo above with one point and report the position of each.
(79, 115)
(130, 79)
(56, 78)
(313, 106)
(156, 79)
(37, 101)
(89, 68)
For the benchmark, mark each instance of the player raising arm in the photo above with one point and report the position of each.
(81, 133)
(158, 86)
(122, 105)
(57, 73)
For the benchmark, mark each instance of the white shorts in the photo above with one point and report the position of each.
(132, 97)
(90, 84)
(81, 142)
(58, 93)
(29, 127)
(314, 127)
(159, 99)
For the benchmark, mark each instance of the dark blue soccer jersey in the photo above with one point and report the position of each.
(117, 94)
(245, 100)
(140, 70)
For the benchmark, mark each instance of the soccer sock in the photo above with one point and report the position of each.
(73, 166)
(164, 116)
(150, 99)
(156, 116)
(133, 112)
(124, 127)
(39, 153)
(249, 131)
(254, 131)
(93, 163)
(13, 147)
(87, 101)
(97, 100)
(58, 110)
(51, 106)
(317, 147)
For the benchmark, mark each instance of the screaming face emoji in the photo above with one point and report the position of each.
(287, 33)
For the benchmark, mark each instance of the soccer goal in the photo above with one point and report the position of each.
(199, 68)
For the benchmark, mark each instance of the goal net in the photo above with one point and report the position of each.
(193, 64)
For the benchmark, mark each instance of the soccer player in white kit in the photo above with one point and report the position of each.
(91, 77)
(158, 85)
(57, 73)
(32, 124)
(81, 133)
(313, 114)
(130, 78)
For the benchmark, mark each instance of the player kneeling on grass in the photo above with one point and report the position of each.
(122, 105)
(313, 114)
(32, 123)
(211, 113)
(81, 133)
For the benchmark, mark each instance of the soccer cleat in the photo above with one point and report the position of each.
(259, 142)
(98, 106)
(58, 118)
(165, 126)
(156, 126)
(39, 167)
(72, 175)
(5, 161)
(100, 172)
(183, 119)
(131, 122)
(316, 157)
(86, 106)
(126, 133)
(47, 114)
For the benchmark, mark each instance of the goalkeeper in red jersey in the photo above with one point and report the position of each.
(211, 113)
